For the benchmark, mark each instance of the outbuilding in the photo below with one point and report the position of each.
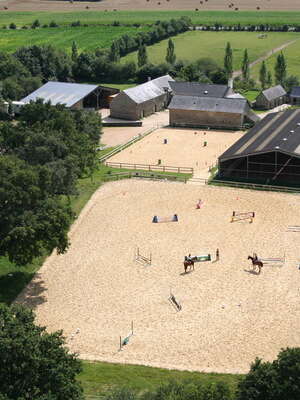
(271, 97)
(210, 112)
(142, 100)
(268, 153)
(295, 95)
(75, 96)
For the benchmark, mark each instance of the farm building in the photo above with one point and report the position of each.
(142, 100)
(75, 96)
(295, 95)
(268, 153)
(270, 98)
(221, 113)
(200, 89)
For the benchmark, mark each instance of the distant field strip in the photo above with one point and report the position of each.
(87, 38)
(193, 45)
(148, 17)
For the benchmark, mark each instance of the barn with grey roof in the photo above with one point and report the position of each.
(271, 97)
(72, 95)
(142, 100)
(268, 153)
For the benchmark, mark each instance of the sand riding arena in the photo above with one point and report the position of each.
(229, 313)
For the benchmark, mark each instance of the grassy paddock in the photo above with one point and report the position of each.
(193, 45)
(87, 38)
(292, 57)
(98, 377)
(148, 17)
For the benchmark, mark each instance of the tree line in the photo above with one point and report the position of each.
(42, 156)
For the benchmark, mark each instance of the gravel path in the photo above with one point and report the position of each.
(229, 315)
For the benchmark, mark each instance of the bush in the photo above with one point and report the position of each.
(53, 24)
(12, 25)
(76, 23)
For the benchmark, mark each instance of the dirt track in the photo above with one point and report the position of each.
(229, 314)
(40, 5)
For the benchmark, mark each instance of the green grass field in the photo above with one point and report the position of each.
(196, 44)
(292, 56)
(87, 38)
(148, 17)
(98, 377)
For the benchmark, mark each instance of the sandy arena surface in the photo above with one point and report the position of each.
(113, 136)
(229, 314)
(184, 148)
(48, 5)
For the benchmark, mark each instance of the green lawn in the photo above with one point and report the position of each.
(97, 378)
(251, 94)
(148, 17)
(196, 44)
(87, 38)
(292, 56)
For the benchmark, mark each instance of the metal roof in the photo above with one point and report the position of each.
(295, 91)
(274, 92)
(149, 90)
(61, 93)
(234, 106)
(199, 89)
(276, 132)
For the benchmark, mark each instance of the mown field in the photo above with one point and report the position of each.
(98, 377)
(148, 17)
(196, 44)
(292, 56)
(87, 38)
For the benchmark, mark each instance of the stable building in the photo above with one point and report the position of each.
(200, 89)
(271, 97)
(75, 96)
(142, 100)
(295, 95)
(210, 112)
(269, 153)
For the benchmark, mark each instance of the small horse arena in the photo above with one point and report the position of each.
(228, 314)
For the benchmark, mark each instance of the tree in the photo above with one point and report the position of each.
(114, 52)
(74, 51)
(142, 55)
(269, 80)
(273, 381)
(228, 61)
(263, 75)
(280, 69)
(290, 82)
(245, 67)
(34, 364)
(171, 57)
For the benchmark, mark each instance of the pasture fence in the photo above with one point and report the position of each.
(133, 140)
(151, 167)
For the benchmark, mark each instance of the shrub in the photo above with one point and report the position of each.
(12, 25)
(53, 24)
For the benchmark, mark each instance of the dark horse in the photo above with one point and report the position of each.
(188, 263)
(256, 262)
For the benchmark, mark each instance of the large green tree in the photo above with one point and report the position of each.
(34, 364)
(245, 66)
(171, 56)
(277, 380)
(228, 60)
(142, 55)
(263, 74)
(280, 69)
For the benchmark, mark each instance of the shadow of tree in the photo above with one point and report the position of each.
(28, 285)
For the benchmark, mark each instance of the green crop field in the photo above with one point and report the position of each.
(148, 17)
(87, 38)
(292, 56)
(197, 44)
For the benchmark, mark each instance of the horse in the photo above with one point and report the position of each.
(256, 262)
(188, 263)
